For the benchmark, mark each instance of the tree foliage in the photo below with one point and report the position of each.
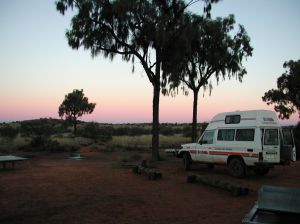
(214, 51)
(145, 30)
(287, 95)
(74, 106)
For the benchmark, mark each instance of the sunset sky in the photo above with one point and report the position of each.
(37, 67)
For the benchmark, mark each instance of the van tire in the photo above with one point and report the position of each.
(187, 161)
(237, 167)
(261, 171)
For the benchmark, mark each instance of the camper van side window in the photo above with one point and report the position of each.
(232, 119)
(226, 134)
(244, 135)
(271, 137)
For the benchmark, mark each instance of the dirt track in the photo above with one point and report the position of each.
(96, 190)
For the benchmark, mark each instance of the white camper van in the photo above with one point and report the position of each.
(242, 140)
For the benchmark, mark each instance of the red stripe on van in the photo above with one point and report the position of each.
(247, 154)
(199, 151)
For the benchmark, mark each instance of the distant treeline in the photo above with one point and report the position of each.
(47, 127)
(55, 135)
(136, 130)
(47, 134)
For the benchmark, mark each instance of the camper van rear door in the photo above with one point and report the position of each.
(288, 139)
(271, 149)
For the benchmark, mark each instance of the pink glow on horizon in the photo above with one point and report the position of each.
(132, 108)
(126, 116)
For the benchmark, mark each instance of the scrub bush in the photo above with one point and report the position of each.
(7, 131)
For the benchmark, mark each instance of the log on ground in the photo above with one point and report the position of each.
(234, 189)
(151, 173)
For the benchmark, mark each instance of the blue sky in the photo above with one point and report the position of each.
(37, 67)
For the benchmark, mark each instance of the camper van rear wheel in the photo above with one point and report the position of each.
(236, 167)
(187, 161)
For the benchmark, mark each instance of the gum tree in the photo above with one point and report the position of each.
(135, 29)
(214, 51)
(287, 95)
(74, 106)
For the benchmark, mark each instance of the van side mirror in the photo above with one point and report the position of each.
(203, 142)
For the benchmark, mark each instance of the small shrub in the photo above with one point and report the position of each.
(72, 148)
(37, 141)
(8, 132)
(166, 130)
(104, 138)
(53, 146)
(94, 131)
(187, 131)
(131, 131)
(42, 144)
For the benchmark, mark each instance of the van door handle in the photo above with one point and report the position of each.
(249, 150)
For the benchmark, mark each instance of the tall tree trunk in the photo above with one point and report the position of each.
(155, 124)
(195, 109)
(75, 125)
(155, 112)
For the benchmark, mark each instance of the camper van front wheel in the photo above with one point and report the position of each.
(236, 167)
(187, 161)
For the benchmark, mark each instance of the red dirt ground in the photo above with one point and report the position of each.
(52, 189)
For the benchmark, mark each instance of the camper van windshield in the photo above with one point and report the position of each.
(207, 137)
(271, 137)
